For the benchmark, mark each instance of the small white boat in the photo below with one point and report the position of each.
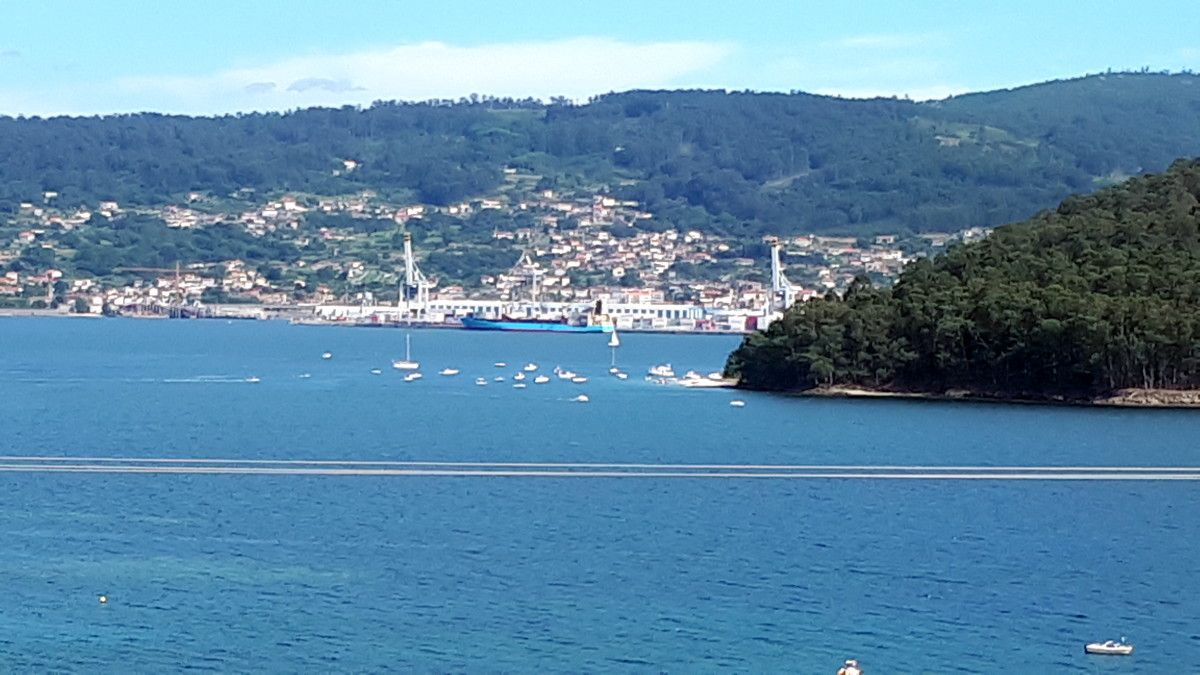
(498, 378)
(614, 370)
(530, 367)
(541, 379)
(737, 403)
(566, 374)
(519, 385)
(500, 364)
(412, 377)
(305, 376)
(1109, 647)
(662, 370)
(579, 379)
(582, 398)
(622, 376)
(519, 376)
(327, 355)
(481, 381)
(253, 379)
(406, 363)
(448, 371)
(376, 371)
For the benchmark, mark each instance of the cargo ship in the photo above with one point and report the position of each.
(535, 325)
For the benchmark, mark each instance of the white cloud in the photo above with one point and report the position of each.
(575, 68)
(886, 41)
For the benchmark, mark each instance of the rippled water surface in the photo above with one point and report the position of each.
(521, 573)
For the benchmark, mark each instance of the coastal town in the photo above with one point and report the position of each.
(526, 249)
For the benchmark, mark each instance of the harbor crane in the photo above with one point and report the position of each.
(414, 290)
(783, 292)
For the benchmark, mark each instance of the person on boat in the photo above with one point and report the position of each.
(851, 668)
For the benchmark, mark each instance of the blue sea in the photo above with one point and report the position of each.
(448, 552)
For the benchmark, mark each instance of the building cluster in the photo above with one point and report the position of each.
(577, 247)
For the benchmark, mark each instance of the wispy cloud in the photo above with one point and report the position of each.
(885, 41)
(575, 68)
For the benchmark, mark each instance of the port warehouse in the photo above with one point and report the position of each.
(626, 316)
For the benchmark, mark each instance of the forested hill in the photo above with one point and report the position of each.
(1101, 294)
(734, 163)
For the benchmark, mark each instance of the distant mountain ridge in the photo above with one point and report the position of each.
(740, 163)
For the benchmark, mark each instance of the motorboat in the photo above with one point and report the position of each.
(500, 364)
(406, 363)
(519, 376)
(566, 374)
(305, 376)
(327, 355)
(481, 381)
(498, 378)
(541, 379)
(519, 385)
(253, 379)
(614, 370)
(412, 377)
(579, 379)
(530, 367)
(582, 398)
(448, 371)
(1109, 647)
(737, 403)
(662, 370)
(376, 371)
(622, 376)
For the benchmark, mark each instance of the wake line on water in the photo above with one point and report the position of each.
(564, 470)
(50, 459)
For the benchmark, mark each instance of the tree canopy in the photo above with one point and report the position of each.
(1100, 294)
(736, 163)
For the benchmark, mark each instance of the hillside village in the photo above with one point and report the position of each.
(562, 246)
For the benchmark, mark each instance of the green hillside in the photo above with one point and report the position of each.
(730, 163)
(1100, 294)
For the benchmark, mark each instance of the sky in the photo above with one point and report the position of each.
(220, 56)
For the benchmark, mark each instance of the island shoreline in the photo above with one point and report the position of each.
(1158, 399)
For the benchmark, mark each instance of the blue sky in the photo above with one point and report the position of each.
(80, 57)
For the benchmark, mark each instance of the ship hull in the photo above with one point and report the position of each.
(472, 323)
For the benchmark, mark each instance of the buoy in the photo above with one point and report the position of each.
(104, 599)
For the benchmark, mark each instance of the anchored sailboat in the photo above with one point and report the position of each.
(613, 343)
(407, 363)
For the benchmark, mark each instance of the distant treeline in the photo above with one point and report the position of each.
(1101, 294)
(733, 163)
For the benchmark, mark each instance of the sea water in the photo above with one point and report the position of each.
(513, 571)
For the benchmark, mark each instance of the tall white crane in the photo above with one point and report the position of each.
(783, 293)
(414, 291)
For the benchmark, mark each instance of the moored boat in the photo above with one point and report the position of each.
(1109, 647)
(533, 325)
(406, 363)
(662, 370)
